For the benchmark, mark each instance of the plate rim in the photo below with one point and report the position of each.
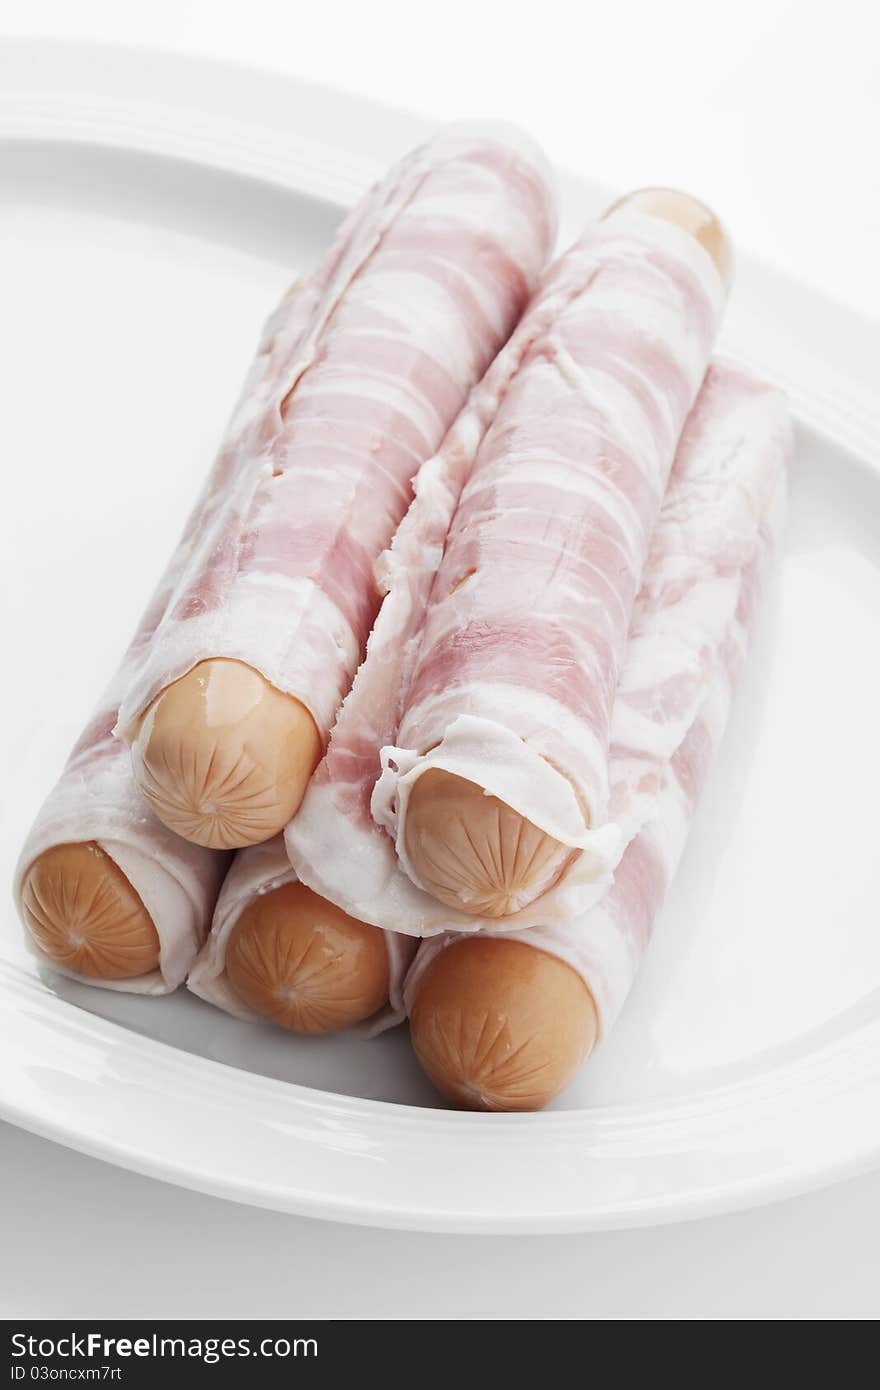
(55, 94)
(29, 1014)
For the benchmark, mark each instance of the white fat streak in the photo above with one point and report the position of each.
(369, 385)
(430, 316)
(654, 321)
(562, 605)
(481, 212)
(303, 646)
(550, 469)
(327, 508)
(348, 461)
(488, 753)
(544, 723)
(483, 291)
(629, 230)
(625, 422)
(626, 526)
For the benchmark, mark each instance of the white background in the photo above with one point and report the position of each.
(771, 112)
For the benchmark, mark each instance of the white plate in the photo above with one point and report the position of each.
(153, 209)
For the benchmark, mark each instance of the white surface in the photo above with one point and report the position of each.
(84, 1240)
(769, 108)
(859, 216)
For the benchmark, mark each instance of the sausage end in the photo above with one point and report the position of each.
(498, 1024)
(223, 757)
(473, 852)
(84, 915)
(305, 964)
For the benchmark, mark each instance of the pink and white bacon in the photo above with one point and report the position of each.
(688, 639)
(359, 375)
(339, 823)
(511, 658)
(96, 799)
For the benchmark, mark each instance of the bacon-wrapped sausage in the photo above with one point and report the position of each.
(359, 376)
(503, 1020)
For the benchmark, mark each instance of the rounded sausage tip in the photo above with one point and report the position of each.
(223, 757)
(692, 215)
(473, 852)
(304, 964)
(84, 915)
(498, 1024)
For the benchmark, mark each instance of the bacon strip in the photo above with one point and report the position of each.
(686, 645)
(96, 799)
(558, 468)
(338, 799)
(688, 640)
(359, 375)
(528, 618)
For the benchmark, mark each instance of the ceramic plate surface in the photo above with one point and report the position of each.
(154, 208)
